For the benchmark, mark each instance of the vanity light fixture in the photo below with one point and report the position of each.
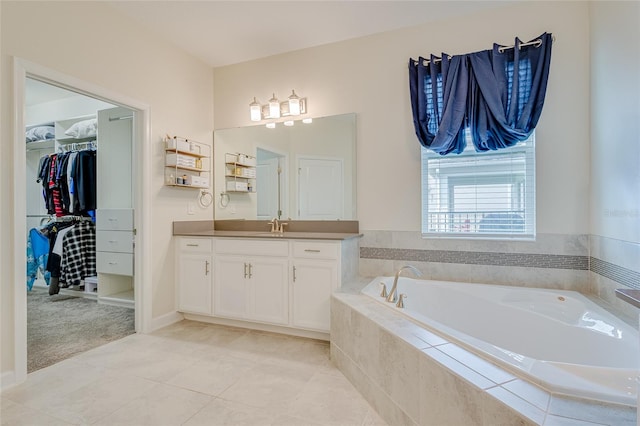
(307, 120)
(274, 107)
(271, 125)
(256, 110)
(288, 123)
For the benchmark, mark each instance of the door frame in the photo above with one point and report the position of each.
(140, 153)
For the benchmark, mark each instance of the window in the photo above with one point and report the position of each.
(480, 194)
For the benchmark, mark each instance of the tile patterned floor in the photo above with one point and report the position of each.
(192, 374)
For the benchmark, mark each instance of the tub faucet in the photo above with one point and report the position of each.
(392, 297)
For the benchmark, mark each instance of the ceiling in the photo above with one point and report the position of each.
(38, 92)
(229, 32)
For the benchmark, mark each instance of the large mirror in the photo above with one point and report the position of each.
(306, 171)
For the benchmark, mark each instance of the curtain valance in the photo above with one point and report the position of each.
(495, 96)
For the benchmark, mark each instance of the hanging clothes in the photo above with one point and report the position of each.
(37, 257)
(69, 182)
(72, 252)
(78, 254)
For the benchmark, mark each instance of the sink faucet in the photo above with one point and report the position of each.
(277, 226)
(392, 297)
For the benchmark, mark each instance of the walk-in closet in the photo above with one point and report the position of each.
(80, 223)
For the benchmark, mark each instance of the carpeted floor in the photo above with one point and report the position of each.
(61, 326)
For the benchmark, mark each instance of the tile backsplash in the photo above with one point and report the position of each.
(589, 264)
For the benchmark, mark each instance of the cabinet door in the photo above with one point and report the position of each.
(268, 290)
(313, 283)
(194, 283)
(230, 282)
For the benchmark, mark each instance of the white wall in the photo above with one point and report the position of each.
(615, 120)
(91, 42)
(369, 76)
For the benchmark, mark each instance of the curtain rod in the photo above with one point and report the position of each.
(501, 49)
(535, 43)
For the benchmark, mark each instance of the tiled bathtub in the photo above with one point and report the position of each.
(414, 377)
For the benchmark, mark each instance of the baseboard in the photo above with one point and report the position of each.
(165, 320)
(317, 335)
(7, 380)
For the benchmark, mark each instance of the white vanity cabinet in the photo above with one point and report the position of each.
(251, 280)
(314, 278)
(275, 284)
(194, 275)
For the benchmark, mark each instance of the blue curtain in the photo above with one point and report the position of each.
(497, 96)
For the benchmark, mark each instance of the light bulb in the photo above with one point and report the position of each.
(294, 104)
(288, 123)
(255, 110)
(274, 107)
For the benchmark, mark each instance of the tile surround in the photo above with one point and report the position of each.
(454, 386)
(589, 264)
(528, 260)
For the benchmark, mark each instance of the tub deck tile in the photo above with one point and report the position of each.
(589, 410)
(477, 364)
(525, 390)
(512, 411)
(552, 420)
(460, 369)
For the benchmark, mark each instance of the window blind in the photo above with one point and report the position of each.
(480, 194)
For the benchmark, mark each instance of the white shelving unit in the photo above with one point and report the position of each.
(187, 163)
(240, 173)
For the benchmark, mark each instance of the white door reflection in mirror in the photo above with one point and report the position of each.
(320, 188)
(270, 187)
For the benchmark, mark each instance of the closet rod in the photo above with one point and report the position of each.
(126, 117)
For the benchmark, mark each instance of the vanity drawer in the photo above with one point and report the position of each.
(115, 263)
(199, 245)
(316, 250)
(114, 241)
(114, 219)
(246, 246)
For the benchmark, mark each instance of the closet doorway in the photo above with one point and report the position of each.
(80, 227)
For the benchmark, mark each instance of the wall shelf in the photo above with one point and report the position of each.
(240, 173)
(187, 163)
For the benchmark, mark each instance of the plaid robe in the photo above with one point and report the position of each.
(78, 254)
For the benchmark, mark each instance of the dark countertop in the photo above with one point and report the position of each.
(296, 229)
(269, 235)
